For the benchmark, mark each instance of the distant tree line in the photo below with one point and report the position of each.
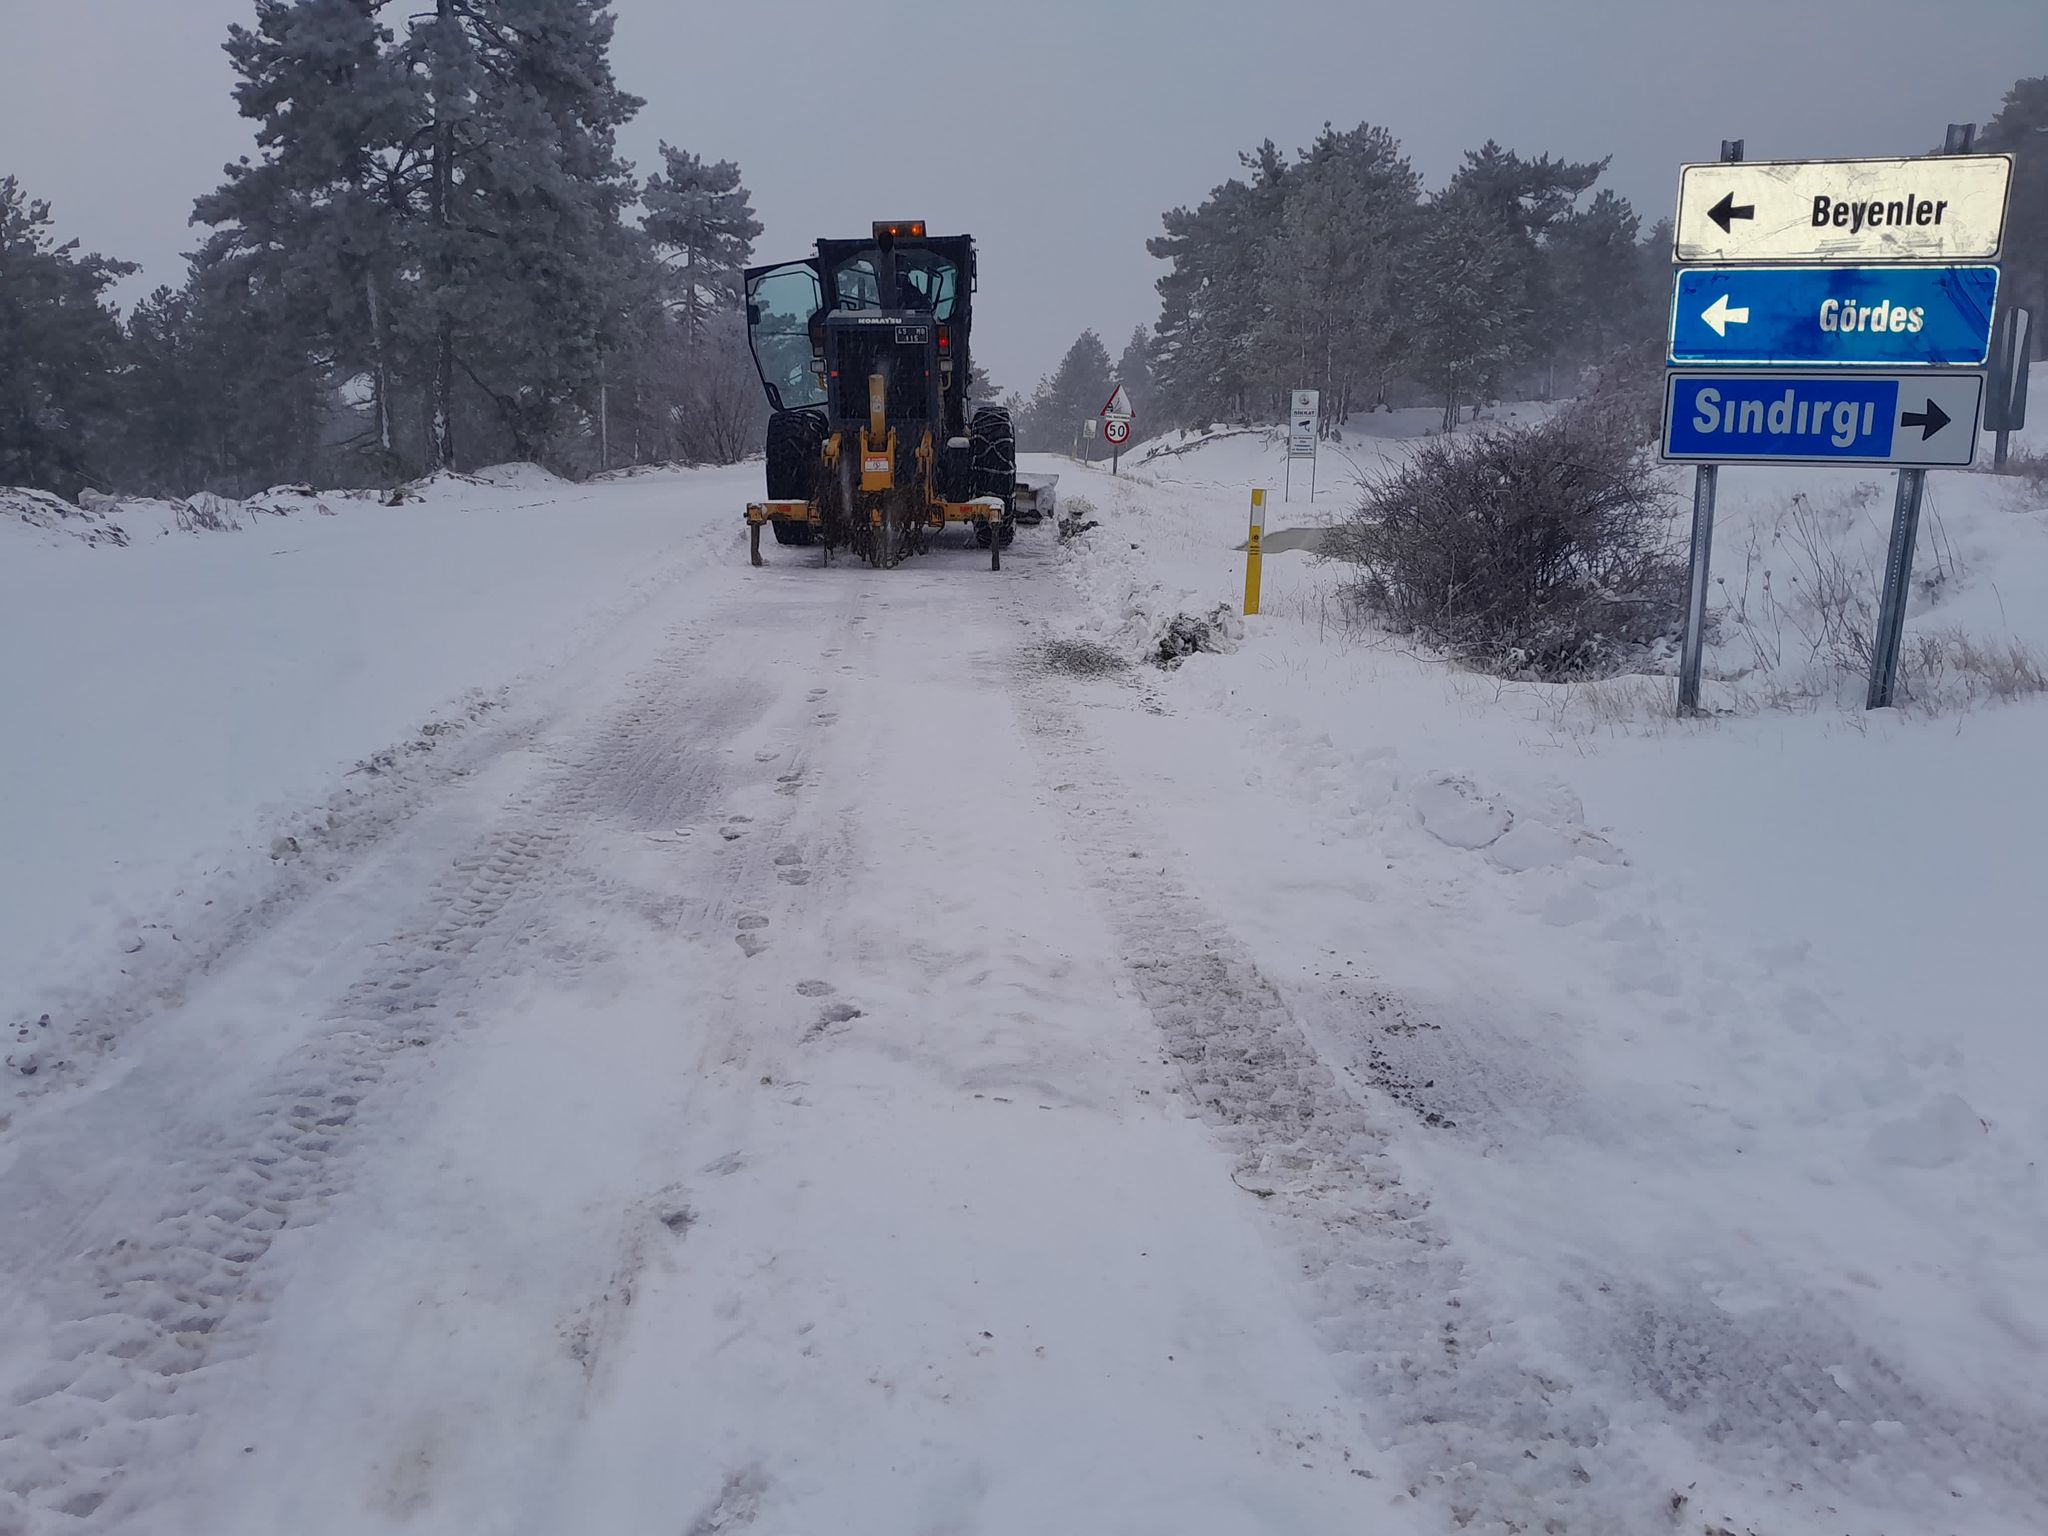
(435, 259)
(1336, 270)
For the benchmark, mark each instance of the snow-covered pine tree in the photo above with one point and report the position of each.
(317, 225)
(60, 349)
(1464, 336)
(1527, 199)
(1604, 294)
(1329, 269)
(702, 223)
(2021, 128)
(524, 252)
(1076, 391)
(1134, 376)
(1210, 301)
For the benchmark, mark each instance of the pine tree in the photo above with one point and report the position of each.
(1211, 303)
(60, 350)
(1463, 263)
(171, 398)
(318, 224)
(702, 223)
(1527, 199)
(1134, 377)
(523, 244)
(1076, 392)
(1605, 297)
(2021, 128)
(1329, 269)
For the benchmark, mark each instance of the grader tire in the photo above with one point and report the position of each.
(795, 443)
(995, 453)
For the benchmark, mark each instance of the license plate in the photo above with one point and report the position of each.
(876, 466)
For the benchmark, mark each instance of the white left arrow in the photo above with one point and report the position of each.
(1720, 315)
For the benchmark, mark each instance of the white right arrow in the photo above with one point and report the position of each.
(1720, 316)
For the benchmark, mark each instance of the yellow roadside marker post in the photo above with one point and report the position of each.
(1251, 556)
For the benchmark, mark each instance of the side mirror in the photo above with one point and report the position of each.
(753, 313)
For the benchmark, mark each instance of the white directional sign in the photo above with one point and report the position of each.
(1940, 208)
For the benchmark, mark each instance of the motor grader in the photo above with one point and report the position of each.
(864, 352)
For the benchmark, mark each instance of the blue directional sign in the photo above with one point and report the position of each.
(1859, 317)
(1786, 417)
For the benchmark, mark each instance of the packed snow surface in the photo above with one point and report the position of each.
(517, 1022)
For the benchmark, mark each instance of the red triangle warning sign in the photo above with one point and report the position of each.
(1119, 404)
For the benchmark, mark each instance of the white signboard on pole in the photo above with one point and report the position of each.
(1942, 208)
(1304, 410)
(1301, 424)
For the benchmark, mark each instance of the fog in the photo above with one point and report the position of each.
(1057, 131)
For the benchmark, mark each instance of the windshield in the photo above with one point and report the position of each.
(924, 281)
(780, 304)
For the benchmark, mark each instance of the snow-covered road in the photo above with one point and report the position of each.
(829, 1050)
(722, 1098)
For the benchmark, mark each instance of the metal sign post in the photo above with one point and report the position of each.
(1898, 576)
(2005, 407)
(1116, 431)
(1898, 561)
(1705, 481)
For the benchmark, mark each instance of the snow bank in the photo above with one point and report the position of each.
(37, 517)
(1720, 1039)
(171, 706)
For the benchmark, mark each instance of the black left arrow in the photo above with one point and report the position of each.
(1929, 421)
(1724, 213)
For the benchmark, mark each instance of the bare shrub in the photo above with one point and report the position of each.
(1805, 596)
(206, 513)
(2029, 467)
(1541, 552)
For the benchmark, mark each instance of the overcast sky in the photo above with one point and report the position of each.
(1057, 131)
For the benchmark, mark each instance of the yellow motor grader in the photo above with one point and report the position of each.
(863, 350)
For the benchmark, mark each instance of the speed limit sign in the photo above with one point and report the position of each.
(1117, 432)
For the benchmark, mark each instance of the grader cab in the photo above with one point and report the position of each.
(864, 352)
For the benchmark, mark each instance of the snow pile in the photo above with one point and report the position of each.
(483, 485)
(1139, 619)
(42, 518)
(102, 521)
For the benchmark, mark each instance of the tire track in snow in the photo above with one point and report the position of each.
(137, 1320)
(1493, 1439)
(1612, 1439)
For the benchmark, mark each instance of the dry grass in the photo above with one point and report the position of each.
(1948, 669)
